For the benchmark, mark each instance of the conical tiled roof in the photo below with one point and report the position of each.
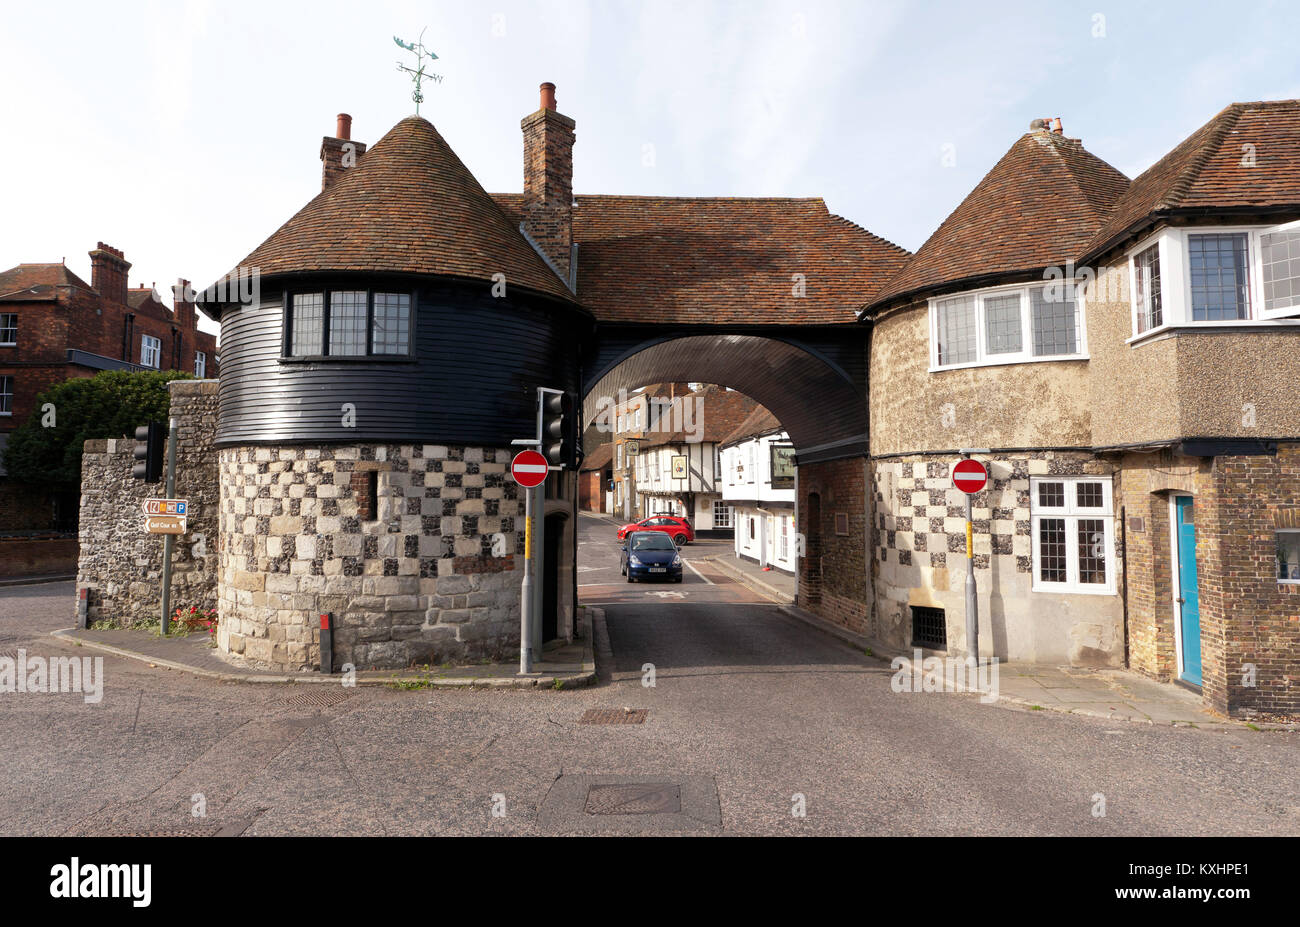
(1038, 207)
(1246, 157)
(409, 206)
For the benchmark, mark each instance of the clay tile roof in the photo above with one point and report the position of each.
(409, 206)
(37, 281)
(1038, 207)
(758, 423)
(599, 458)
(722, 259)
(1211, 169)
(717, 413)
(138, 296)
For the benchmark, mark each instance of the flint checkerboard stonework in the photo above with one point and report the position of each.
(920, 559)
(428, 577)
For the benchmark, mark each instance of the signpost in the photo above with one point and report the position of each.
(529, 469)
(164, 524)
(970, 477)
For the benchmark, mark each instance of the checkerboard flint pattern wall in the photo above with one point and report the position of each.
(921, 521)
(425, 577)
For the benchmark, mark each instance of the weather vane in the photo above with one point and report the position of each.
(417, 73)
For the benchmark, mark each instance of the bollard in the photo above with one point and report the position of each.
(327, 643)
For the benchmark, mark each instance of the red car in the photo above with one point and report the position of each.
(679, 529)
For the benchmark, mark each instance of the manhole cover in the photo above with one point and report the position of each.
(614, 716)
(317, 697)
(637, 798)
(198, 830)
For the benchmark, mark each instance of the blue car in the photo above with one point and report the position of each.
(650, 555)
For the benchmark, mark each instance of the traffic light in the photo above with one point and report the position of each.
(150, 445)
(558, 444)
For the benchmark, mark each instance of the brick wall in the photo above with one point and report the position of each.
(1248, 618)
(26, 556)
(591, 490)
(833, 576)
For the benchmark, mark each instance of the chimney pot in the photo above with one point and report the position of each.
(548, 95)
(1056, 126)
(344, 130)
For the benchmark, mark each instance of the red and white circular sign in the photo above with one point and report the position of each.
(969, 476)
(529, 468)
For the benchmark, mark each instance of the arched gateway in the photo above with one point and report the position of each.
(400, 323)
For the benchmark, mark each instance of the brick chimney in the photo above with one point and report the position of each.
(184, 310)
(108, 272)
(548, 179)
(339, 152)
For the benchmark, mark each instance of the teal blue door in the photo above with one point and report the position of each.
(1189, 608)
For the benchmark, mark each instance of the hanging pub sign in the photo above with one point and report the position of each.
(679, 467)
(782, 465)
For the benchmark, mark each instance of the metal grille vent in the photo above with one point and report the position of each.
(929, 628)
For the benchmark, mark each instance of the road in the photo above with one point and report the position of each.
(752, 718)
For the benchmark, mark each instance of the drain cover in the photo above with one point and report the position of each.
(198, 830)
(614, 716)
(635, 798)
(318, 696)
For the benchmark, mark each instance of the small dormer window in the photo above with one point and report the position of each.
(348, 324)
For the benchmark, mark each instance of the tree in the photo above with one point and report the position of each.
(45, 450)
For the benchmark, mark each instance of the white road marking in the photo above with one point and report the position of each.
(664, 594)
(698, 573)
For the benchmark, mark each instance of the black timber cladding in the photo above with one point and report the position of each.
(477, 361)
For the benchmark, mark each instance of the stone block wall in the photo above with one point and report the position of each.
(920, 560)
(118, 562)
(415, 550)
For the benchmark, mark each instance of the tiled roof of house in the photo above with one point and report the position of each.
(138, 296)
(599, 458)
(37, 281)
(722, 259)
(1038, 207)
(758, 423)
(714, 413)
(408, 206)
(1246, 156)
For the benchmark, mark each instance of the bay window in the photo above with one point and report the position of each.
(1216, 276)
(1006, 325)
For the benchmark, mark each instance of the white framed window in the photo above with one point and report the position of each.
(783, 540)
(200, 365)
(1288, 555)
(752, 468)
(150, 351)
(1072, 524)
(1007, 325)
(8, 329)
(1147, 312)
(1215, 276)
(721, 515)
(6, 395)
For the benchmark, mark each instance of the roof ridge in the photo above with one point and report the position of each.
(1188, 175)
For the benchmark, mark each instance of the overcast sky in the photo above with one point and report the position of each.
(185, 133)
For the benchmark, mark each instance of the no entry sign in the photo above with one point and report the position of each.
(969, 476)
(529, 469)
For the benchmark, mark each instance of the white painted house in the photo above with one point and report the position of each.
(678, 470)
(758, 485)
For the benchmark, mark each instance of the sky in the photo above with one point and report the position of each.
(186, 132)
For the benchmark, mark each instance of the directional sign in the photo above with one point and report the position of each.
(166, 507)
(529, 469)
(164, 524)
(969, 476)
